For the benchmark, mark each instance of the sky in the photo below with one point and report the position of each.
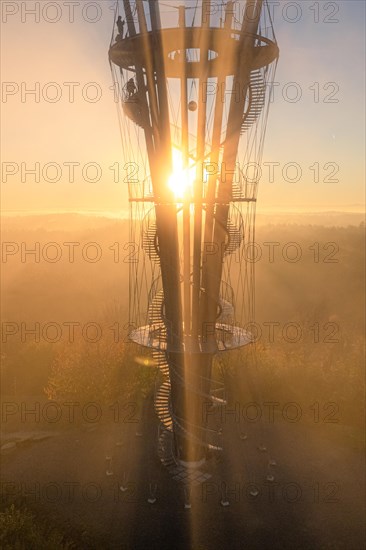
(315, 131)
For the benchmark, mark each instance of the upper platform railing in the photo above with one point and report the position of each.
(171, 15)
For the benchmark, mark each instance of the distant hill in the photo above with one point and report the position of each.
(326, 219)
(73, 221)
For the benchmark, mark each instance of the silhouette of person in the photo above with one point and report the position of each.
(120, 25)
(131, 88)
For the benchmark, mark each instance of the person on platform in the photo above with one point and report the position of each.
(120, 26)
(131, 88)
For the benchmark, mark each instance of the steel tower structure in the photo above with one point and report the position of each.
(194, 77)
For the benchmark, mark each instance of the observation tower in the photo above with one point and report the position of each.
(194, 79)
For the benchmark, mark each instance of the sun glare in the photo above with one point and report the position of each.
(182, 179)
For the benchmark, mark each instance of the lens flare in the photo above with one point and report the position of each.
(182, 178)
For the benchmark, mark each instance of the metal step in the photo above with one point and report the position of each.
(162, 405)
(258, 92)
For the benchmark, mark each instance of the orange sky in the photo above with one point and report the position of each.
(86, 131)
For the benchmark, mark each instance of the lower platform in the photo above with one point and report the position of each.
(227, 337)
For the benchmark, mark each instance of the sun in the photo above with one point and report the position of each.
(181, 179)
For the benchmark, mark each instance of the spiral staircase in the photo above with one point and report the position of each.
(132, 105)
(208, 437)
(257, 96)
